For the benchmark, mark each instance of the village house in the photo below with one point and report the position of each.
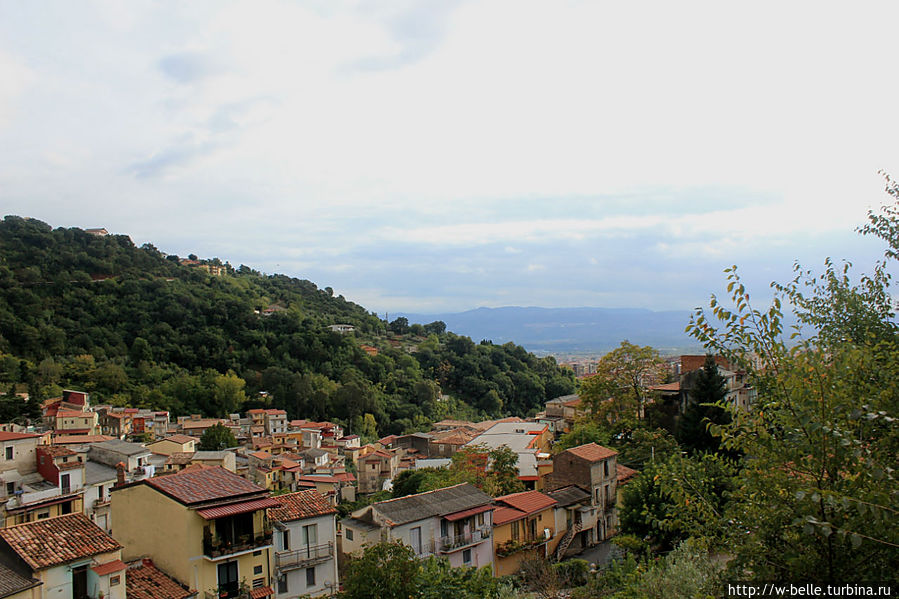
(17, 459)
(593, 469)
(69, 555)
(217, 530)
(375, 469)
(305, 540)
(76, 422)
(56, 488)
(575, 518)
(174, 444)
(523, 526)
(455, 522)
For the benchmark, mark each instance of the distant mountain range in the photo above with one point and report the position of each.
(570, 330)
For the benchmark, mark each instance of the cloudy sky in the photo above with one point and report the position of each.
(443, 155)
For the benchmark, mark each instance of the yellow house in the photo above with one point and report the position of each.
(174, 444)
(523, 524)
(204, 526)
(68, 556)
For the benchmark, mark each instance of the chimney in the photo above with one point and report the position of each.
(120, 474)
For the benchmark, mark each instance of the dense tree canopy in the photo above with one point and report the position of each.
(136, 327)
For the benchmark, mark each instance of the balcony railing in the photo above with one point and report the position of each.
(454, 542)
(216, 547)
(303, 557)
(102, 502)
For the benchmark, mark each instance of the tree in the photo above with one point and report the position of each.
(400, 326)
(385, 571)
(817, 497)
(216, 438)
(618, 392)
(703, 409)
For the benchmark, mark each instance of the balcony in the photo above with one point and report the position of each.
(101, 503)
(455, 542)
(306, 556)
(216, 547)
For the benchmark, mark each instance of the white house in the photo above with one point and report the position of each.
(455, 522)
(305, 559)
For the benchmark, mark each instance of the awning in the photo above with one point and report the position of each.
(110, 567)
(469, 512)
(232, 509)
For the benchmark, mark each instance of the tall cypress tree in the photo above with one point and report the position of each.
(709, 388)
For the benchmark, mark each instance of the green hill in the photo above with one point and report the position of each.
(135, 326)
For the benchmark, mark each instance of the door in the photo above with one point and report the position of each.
(310, 539)
(79, 582)
(65, 483)
(228, 583)
(416, 540)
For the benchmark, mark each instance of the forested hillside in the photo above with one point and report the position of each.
(136, 327)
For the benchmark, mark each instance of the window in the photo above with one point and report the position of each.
(114, 580)
(415, 539)
(257, 569)
(349, 533)
(282, 585)
(43, 514)
(10, 488)
(466, 556)
(605, 468)
(285, 540)
(9, 453)
(310, 577)
(310, 535)
(481, 519)
(515, 531)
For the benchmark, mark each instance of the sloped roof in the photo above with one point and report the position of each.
(179, 438)
(11, 582)
(432, 503)
(504, 515)
(55, 541)
(528, 502)
(197, 484)
(569, 495)
(122, 447)
(592, 452)
(299, 505)
(145, 581)
(5, 436)
(624, 473)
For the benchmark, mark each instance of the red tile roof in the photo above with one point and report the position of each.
(115, 565)
(469, 512)
(299, 505)
(624, 473)
(592, 452)
(80, 439)
(528, 502)
(182, 439)
(55, 541)
(261, 592)
(74, 414)
(242, 507)
(5, 436)
(196, 484)
(504, 515)
(144, 581)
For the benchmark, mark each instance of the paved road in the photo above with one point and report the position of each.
(600, 554)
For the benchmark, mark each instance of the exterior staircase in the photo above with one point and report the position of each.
(567, 539)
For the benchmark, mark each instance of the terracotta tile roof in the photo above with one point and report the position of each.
(299, 505)
(528, 502)
(196, 484)
(144, 581)
(73, 414)
(180, 457)
(180, 438)
(242, 507)
(504, 515)
(624, 473)
(69, 465)
(80, 439)
(54, 541)
(5, 436)
(592, 452)
(115, 565)
(55, 451)
(261, 592)
(261, 455)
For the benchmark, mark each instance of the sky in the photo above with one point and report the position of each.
(427, 156)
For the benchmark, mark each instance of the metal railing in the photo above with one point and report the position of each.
(304, 556)
(454, 542)
(215, 547)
